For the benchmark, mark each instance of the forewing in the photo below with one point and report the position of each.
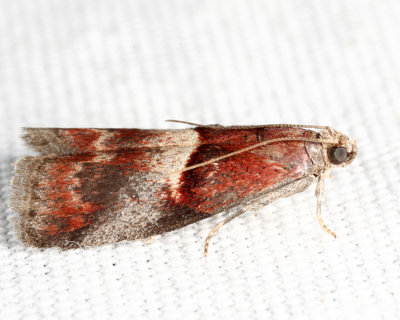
(77, 141)
(84, 197)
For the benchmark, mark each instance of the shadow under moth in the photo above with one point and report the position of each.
(91, 187)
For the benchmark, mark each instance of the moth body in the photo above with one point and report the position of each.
(98, 186)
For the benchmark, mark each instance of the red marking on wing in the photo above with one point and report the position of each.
(227, 136)
(64, 208)
(209, 188)
(129, 161)
(90, 140)
(73, 189)
(81, 140)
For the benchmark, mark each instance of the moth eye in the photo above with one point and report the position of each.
(338, 155)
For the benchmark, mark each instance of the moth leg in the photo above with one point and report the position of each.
(318, 193)
(218, 226)
(252, 206)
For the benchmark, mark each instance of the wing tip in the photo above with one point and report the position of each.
(21, 200)
(45, 141)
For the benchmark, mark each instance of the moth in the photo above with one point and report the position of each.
(91, 187)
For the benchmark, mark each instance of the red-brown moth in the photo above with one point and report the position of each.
(98, 186)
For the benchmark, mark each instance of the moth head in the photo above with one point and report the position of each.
(340, 150)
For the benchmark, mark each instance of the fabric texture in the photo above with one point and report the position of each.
(100, 63)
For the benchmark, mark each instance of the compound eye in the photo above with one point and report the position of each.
(338, 155)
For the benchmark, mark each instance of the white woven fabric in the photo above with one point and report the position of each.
(126, 63)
